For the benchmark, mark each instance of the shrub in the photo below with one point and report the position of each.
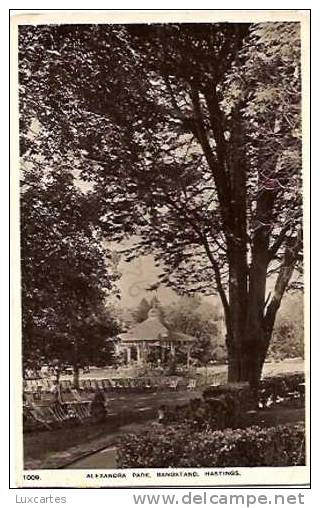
(180, 446)
(224, 405)
(215, 413)
(285, 387)
(272, 389)
(235, 394)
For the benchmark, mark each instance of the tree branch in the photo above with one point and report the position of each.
(291, 256)
(217, 169)
(216, 270)
(279, 241)
(204, 241)
(216, 125)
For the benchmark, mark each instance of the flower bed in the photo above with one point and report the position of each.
(181, 446)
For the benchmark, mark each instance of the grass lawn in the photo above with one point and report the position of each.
(138, 408)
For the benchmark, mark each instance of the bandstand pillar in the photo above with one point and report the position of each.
(188, 356)
(138, 353)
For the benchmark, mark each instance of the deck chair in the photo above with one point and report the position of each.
(131, 385)
(216, 379)
(105, 384)
(45, 385)
(119, 384)
(99, 385)
(92, 385)
(64, 385)
(173, 384)
(134, 383)
(86, 409)
(57, 413)
(76, 395)
(113, 384)
(35, 414)
(76, 409)
(29, 396)
(192, 384)
(37, 395)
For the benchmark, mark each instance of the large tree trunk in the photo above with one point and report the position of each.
(247, 360)
(255, 338)
(249, 324)
(76, 370)
(236, 223)
(237, 320)
(76, 375)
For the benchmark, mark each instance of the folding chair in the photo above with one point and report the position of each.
(37, 416)
(192, 384)
(76, 395)
(99, 384)
(113, 384)
(173, 384)
(63, 385)
(105, 384)
(38, 393)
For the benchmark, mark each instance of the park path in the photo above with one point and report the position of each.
(105, 459)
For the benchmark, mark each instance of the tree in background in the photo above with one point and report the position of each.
(288, 335)
(176, 129)
(141, 312)
(66, 275)
(190, 316)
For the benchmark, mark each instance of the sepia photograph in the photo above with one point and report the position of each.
(162, 307)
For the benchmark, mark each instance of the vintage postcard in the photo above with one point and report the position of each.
(160, 232)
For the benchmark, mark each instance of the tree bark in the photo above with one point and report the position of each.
(76, 375)
(236, 235)
(238, 309)
(76, 364)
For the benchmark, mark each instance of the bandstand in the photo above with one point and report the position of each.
(152, 336)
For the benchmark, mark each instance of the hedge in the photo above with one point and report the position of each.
(180, 446)
(224, 406)
(284, 387)
(272, 389)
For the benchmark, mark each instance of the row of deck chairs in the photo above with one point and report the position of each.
(52, 414)
(218, 379)
(127, 384)
(42, 386)
(107, 385)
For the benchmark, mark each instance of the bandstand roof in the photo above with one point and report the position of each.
(152, 329)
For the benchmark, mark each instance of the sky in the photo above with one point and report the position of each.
(138, 274)
(136, 277)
